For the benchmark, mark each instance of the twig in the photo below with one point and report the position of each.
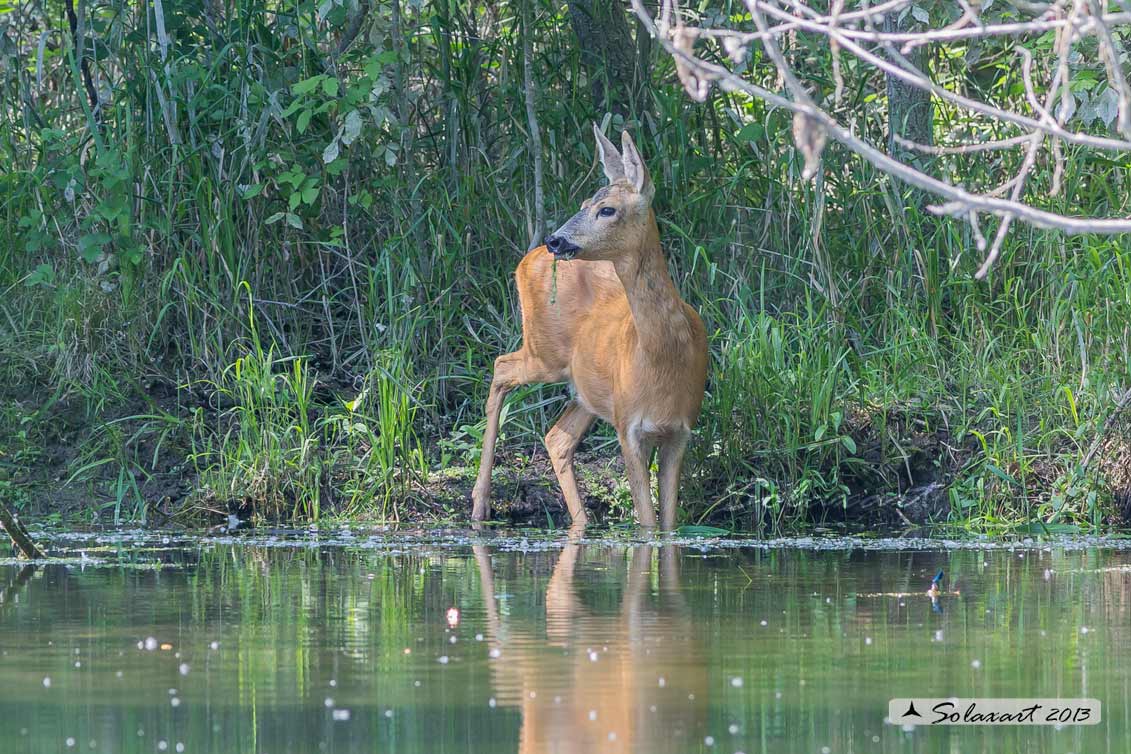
(21, 540)
(812, 123)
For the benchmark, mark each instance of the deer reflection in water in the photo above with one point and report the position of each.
(633, 680)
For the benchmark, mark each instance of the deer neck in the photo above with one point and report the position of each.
(657, 309)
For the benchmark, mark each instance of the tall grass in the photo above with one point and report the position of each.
(317, 265)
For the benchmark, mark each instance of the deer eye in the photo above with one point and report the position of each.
(606, 212)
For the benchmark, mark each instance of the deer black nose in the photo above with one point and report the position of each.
(562, 248)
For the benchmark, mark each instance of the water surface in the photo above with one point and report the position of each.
(441, 642)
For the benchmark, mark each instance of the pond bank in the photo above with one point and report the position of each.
(143, 460)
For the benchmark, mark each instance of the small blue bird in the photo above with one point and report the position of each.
(934, 591)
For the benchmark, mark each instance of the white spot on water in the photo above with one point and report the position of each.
(443, 660)
(341, 714)
(491, 702)
(47, 682)
(867, 641)
(150, 643)
(709, 741)
(736, 682)
(976, 664)
(661, 682)
(329, 702)
(184, 668)
(70, 742)
(733, 729)
(592, 714)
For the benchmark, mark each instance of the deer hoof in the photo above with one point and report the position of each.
(480, 504)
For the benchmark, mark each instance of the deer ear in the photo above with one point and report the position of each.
(635, 171)
(610, 157)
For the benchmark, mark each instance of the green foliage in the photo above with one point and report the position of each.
(310, 238)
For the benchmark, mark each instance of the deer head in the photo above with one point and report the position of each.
(615, 220)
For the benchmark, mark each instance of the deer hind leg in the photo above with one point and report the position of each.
(671, 465)
(511, 370)
(637, 453)
(561, 442)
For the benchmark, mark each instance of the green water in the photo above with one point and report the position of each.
(433, 643)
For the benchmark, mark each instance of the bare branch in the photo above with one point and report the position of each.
(851, 31)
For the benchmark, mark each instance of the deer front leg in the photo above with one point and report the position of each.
(509, 373)
(637, 455)
(671, 466)
(561, 442)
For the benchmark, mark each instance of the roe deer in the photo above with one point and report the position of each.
(634, 353)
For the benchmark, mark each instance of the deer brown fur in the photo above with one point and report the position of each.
(617, 331)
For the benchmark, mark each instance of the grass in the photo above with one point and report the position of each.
(226, 319)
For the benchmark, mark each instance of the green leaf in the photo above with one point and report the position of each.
(248, 192)
(294, 220)
(309, 194)
(306, 86)
(1037, 527)
(275, 217)
(295, 198)
(1001, 474)
(702, 531)
(848, 443)
(351, 129)
(43, 274)
(751, 132)
(293, 107)
(330, 86)
(330, 153)
(303, 120)
(90, 246)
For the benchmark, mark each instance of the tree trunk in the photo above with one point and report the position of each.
(535, 139)
(910, 112)
(615, 68)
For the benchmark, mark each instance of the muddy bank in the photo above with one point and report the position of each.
(138, 461)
